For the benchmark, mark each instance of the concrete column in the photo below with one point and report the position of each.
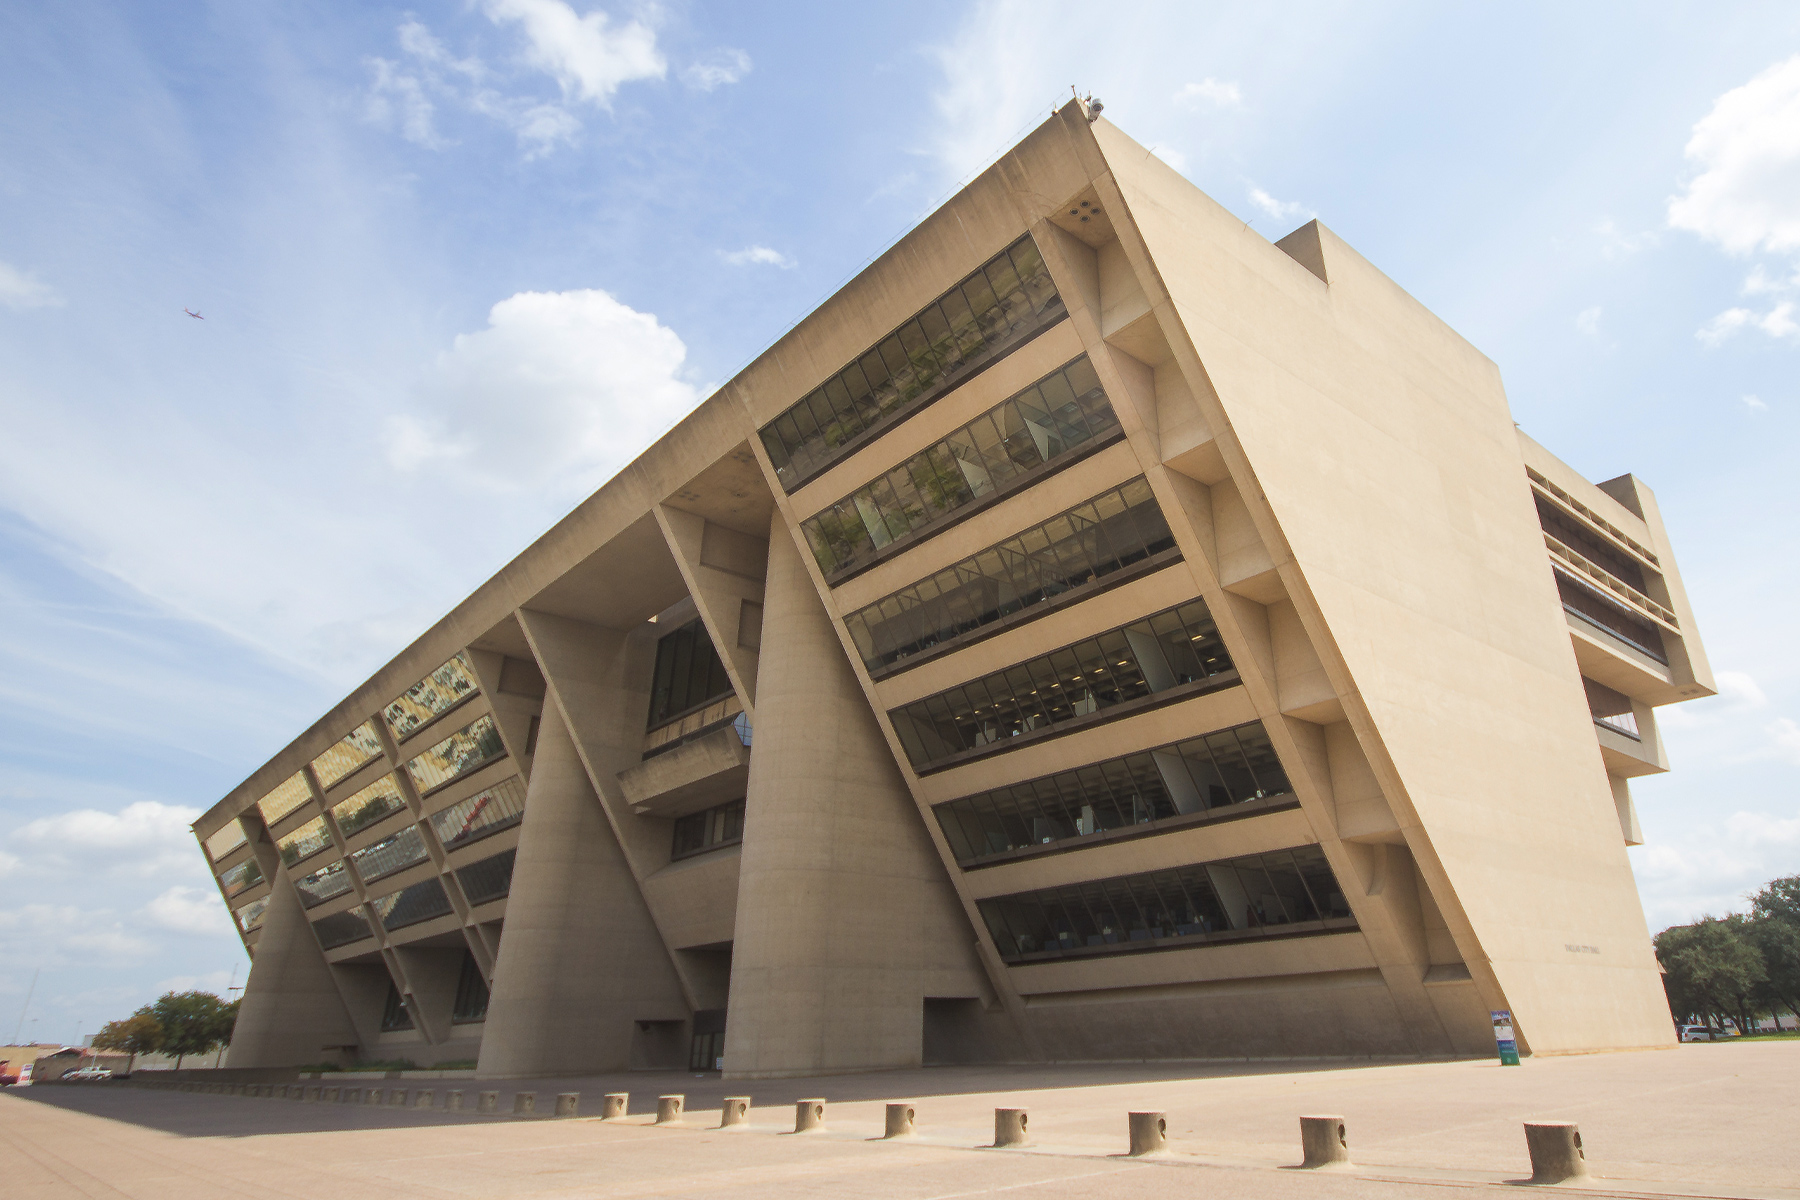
(580, 960)
(846, 920)
(292, 1009)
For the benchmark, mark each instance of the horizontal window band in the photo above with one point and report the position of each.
(915, 406)
(1127, 708)
(1224, 937)
(1127, 833)
(1024, 616)
(1013, 487)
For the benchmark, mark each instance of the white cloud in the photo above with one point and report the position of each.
(144, 838)
(1587, 322)
(990, 84)
(20, 290)
(588, 56)
(55, 935)
(1278, 209)
(1778, 322)
(559, 390)
(758, 256)
(1714, 865)
(1756, 404)
(1784, 736)
(1215, 92)
(189, 910)
(1760, 283)
(396, 96)
(1169, 154)
(1614, 243)
(717, 69)
(1747, 195)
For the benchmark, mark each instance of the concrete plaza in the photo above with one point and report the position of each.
(1699, 1120)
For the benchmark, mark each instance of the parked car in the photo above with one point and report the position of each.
(1700, 1033)
(89, 1073)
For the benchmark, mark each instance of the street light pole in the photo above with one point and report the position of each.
(29, 993)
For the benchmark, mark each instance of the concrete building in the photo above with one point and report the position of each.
(1158, 642)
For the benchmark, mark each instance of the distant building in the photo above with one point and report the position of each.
(1159, 643)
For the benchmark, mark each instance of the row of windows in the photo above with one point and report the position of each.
(470, 1005)
(431, 697)
(1231, 766)
(1177, 646)
(999, 306)
(1596, 549)
(241, 878)
(1258, 894)
(487, 812)
(474, 745)
(696, 833)
(689, 673)
(251, 915)
(1047, 421)
(1090, 541)
(1596, 609)
(369, 805)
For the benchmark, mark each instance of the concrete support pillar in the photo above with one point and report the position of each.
(580, 960)
(291, 1009)
(1323, 1142)
(846, 920)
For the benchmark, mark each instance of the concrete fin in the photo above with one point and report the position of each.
(1304, 247)
(292, 1011)
(724, 572)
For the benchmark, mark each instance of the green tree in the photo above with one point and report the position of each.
(1711, 967)
(135, 1035)
(192, 1022)
(1779, 900)
(1778, 942)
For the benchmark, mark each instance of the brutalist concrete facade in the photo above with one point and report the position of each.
(1096, 632)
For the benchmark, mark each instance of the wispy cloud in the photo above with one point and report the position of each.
(715, 70)
(589, 56)
(1209, 91)
(21, 290)
(1280, 210)
(758, 256)
(1587, 322)
(1778, 322)
(1756, 404)
(1616, 243)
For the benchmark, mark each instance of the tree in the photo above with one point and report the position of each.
(1778, 941)
(135, 1035)
(192, 1022)
(1779, 900)
(1711, 967)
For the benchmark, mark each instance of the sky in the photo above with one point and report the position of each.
(456, 263)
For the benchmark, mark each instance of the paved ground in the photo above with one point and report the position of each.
(1701, 1120)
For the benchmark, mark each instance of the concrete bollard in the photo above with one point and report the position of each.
(524, 1104)
(313, 1093)
(424, 1098)
(397, 1097)
(1009, 1127)
(809, 1116)
(328, 1095)
(350, 1095)
(1149, 1133)
(453, 1100)
(1322, 1142)
(900, 1121)
(297, 1092)
(613, 1106)
(371, 1095)
(668, 1110)
(487, 1102)
(568, 1104)
(1556, 1152)
(735, 1113)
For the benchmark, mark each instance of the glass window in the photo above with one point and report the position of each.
(251, 915)
(1031, 567)
(1256, 895)
(304, 842)
(489, 811)
(970, 463)
(996, 308)
(290, 795)
(356, 748)
(241, 878)
(486, 880)
(226, 839)
(471, 993)
(698, 832)
(368, 806)
(1184, 779)
(431, 697)
(340, 929)
(474, 745)
(1074, 681)
(420, 902)
(328, 881)
(689, 674)
(393, 853)
(394, 1014)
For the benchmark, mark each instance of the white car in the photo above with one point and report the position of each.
(89, 1073)
(1699, 1033)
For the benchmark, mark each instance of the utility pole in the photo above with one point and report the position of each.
(29, 993)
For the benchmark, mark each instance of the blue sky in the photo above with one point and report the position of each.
(459, 261)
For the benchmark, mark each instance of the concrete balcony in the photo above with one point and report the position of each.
(713, 768)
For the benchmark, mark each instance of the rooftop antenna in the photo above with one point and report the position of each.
(1088, 104)
(31, 991)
